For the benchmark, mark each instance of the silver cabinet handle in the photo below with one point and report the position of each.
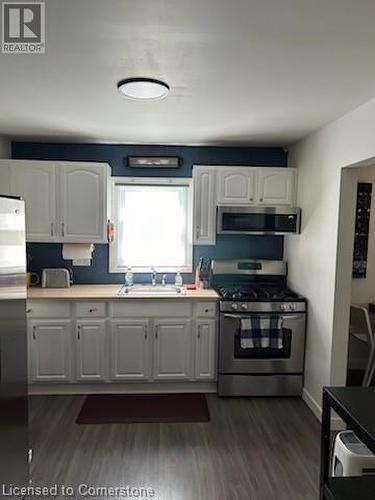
(245, 315)
(63, 229)
(156, 332)
(79, 332)
(146, 332)
(198, 231)
(52, 227)
(34, 332)
(199, 331)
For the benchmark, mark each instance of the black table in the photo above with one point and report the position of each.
(356, 406)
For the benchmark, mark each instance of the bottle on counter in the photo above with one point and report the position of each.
(178, 280)
(129, 277)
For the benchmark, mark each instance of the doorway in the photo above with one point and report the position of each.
(355, 274)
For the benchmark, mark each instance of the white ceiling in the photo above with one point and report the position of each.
(240, 71)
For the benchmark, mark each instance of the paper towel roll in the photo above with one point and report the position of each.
(77, 251)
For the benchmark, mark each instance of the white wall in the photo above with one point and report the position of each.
(314, 269)
(4, 147)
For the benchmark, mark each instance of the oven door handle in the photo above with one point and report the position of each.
(238, 316)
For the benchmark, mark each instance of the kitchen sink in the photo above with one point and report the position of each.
(157, 290)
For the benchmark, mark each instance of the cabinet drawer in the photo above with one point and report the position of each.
(151, 309)
(91, 309)
(48, 309)
(205, 309)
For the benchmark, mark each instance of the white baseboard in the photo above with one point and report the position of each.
(312, 404)
(336, 423)
(130, 388)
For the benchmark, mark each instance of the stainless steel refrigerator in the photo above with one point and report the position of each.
(13, 345)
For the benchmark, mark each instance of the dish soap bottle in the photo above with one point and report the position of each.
(178, 281)
(129, 277)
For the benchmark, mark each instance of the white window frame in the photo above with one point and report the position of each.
(162, 181)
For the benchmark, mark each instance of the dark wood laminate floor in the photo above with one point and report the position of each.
(256, 449)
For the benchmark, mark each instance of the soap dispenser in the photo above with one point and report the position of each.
(178, 281)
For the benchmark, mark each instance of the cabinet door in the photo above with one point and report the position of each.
(205, 349)
(83, 203)
(36, 183)
(51, 351)
(236, 185)
(172, 350)
(91, 350)
(204, 206)
(276, 186)
(130, 351)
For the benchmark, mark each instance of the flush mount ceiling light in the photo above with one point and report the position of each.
(143, 89)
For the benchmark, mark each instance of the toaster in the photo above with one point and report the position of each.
(56, 278)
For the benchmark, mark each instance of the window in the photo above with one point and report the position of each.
(153, 220)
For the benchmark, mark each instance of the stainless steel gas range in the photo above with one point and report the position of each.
(256, 289)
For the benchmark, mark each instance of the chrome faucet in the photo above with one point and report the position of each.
(153, 276)
(164, 280)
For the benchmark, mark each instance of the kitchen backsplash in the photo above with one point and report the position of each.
(227, 246)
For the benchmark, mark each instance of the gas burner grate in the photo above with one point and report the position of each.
(255, 293)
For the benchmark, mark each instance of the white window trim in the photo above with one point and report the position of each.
(162, 181)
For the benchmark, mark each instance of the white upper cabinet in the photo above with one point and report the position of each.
(236, 185)
(204, 206)
(35, 183)
(83, 214)
(276, 186)
(65, 201)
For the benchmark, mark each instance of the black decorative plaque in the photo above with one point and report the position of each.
(362, 224)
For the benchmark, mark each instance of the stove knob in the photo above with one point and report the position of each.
(235, 306)
(244, 307)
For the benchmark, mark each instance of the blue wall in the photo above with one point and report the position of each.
(227, 247)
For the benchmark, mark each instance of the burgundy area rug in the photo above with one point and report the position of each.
(127, 408)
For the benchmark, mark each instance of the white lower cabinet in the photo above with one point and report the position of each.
(205, 349)
(91, 347)
(130, 356)
(172, 349)
(50, 343)
(142, 346)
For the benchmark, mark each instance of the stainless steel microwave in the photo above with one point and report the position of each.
(258, 220)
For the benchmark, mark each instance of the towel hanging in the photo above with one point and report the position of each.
(261, 332)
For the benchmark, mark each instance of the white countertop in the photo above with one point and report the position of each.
(82, 292)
